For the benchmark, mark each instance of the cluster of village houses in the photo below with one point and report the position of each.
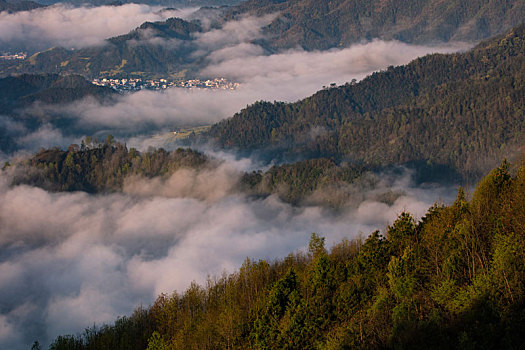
(133, 84)
(13, 56)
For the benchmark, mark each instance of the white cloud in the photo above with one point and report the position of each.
(76, 27)
(233, 33)
(70, 259)
(287, 76)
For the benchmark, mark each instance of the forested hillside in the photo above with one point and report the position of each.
(104, 167)
(16, 6)
(453, 280)
(170, 48)
(459, 111)
(21, 90)
(150, 49)
(323, 24)
(94, 167)
(314, 181)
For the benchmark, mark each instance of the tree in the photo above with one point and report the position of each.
(316, 246)
(156, 342)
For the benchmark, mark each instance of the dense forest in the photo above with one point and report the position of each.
(459, 111)
(318, 181)
(324, 24)
(126, 55)
(310, 24)
(96, 167)
(17, 6)
(454, 279)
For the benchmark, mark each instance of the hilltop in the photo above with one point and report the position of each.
(324, 24)
(171, 47)
(452, 280)
(459, 111)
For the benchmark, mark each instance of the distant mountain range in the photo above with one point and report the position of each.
(169, 48)
(16, 6)
(176, 3)
(18, 92)
(463, 112)
(126, 55)
(323, 24)
(152, 49)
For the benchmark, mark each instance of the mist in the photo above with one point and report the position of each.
(69, 260)
(287, 76)
(230, 52)
(76, 27)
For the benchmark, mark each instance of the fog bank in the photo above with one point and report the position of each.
(68, 260)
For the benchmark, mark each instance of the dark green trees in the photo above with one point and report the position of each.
(453, 280)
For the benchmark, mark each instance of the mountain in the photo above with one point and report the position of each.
(460, 111)
(17, 6)
(20, 91)
(171, 3)
(453, 280)
(324, 24)
(150, 50)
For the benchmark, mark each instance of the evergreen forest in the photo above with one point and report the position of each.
(453, 280)
(460, 112)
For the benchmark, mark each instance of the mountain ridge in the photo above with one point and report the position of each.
(402, 114)
(306, 24)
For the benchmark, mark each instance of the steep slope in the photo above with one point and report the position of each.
(463, 111)
(453, 280)
(17, 6)
(152, 48)
(322, 24)
(18, 91)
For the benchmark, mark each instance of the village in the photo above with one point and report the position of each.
(13, 56)
(136, 84)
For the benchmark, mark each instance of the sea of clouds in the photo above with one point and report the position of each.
(287, 76)
(68, 260)
(76, 27)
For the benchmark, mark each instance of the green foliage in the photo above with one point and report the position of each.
(315, 181)
(316, 246)
(102, 167)
(447, 115)
(323, 24)
(94, 168)
(455, 279)
(156, 342)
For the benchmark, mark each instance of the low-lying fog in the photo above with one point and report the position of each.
(229, 52)
(68, 260)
